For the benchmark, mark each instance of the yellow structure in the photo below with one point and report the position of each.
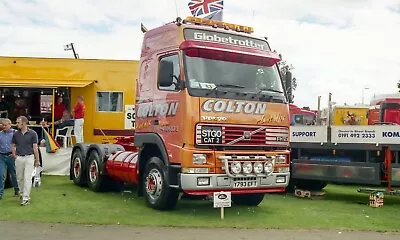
(108, 88)
(350, 115)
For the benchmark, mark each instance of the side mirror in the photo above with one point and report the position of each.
(288, 85)
(165, 77)
(288, 79)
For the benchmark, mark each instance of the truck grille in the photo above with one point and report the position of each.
(245, 135)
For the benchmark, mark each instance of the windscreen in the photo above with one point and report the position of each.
(208, 69)
(303, 119)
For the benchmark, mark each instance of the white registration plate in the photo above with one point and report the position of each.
(244, 184)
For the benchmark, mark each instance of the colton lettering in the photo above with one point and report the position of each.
(234, 107)
(155, 110)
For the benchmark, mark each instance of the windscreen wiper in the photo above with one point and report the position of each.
(229, 85)
(225, 85)
(270, 97)
(269, 90)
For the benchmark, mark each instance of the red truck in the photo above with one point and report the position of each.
(211, 115)
(300, 116)
(384, 110)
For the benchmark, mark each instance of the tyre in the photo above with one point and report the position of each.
(248, 199)
(96, 181)
(156, 188)
(77, 168)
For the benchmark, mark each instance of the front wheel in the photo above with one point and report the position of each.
(248, 199)
(156, 188)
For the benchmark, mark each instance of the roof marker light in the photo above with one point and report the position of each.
(214, 23)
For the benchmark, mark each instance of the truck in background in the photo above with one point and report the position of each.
(384, 110)
(210, 115)
(300, 116)
(356, 154)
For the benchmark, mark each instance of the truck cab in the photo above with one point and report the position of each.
(211, 111)
(384, 111)
(300, 116)
(211, 115)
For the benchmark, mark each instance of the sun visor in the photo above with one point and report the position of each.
(225, 52)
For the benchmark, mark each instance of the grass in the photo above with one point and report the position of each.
(60, 201)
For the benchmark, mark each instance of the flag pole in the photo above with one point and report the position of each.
(52, 114)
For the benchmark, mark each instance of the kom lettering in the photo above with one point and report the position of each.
(391, 134)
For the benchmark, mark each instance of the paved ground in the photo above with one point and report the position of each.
(38, 231)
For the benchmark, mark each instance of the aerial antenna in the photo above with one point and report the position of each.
(69, 47)
(176, 9)
(252, 17)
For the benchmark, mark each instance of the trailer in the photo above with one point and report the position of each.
(355, 154)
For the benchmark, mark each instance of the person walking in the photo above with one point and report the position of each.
(26, 154)
(79, 114)
(6, 161)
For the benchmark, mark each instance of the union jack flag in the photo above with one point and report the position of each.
(205, 7)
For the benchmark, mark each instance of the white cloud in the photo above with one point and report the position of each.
(336, 46)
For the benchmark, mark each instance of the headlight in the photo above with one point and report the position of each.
(268, 167)
(281, 159)
(258, 167)
(247, 168)
(236, 167)
(199, 159)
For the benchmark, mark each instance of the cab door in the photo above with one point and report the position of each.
(169, 104)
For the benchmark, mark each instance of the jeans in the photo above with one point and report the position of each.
(7, 162)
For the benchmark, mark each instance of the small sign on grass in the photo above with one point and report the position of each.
(222, 200)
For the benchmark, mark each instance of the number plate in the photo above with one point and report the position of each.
(211, 135)
(244, 184)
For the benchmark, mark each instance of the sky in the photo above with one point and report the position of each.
(347, 47)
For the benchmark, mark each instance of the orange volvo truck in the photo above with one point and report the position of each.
(211, 115)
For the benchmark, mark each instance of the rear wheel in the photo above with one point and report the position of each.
(96, 181)
(156, 188)
(77, 168)
(248, 199)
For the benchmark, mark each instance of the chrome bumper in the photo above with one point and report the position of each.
(190, 181)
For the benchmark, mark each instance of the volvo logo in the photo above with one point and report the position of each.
(247, 135)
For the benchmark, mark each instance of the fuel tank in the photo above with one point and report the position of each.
(122, 166)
